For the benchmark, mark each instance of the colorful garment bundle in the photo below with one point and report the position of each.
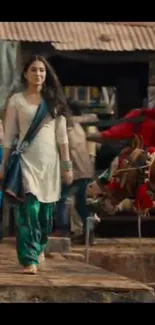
(144, 198)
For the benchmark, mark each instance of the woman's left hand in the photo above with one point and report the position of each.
(67, 176)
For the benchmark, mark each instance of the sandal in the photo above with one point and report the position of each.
(31, 269)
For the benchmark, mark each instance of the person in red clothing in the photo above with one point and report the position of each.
(145, 129)
(126, 130)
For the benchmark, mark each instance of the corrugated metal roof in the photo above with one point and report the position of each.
(135, 23)
(143, 23)
(83, 35)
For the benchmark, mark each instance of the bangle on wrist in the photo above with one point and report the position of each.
(66, 165)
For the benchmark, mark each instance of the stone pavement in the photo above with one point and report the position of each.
(64, 279)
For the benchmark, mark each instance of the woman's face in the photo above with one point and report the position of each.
(36, 73)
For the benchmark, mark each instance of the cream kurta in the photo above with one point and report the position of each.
(40, 162)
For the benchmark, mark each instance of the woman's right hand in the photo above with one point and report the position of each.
(68, 176)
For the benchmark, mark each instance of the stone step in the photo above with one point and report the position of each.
(74, 257)
(128, 257)
(69, 256)
(123, 242)
(58, 245)
(54, 245)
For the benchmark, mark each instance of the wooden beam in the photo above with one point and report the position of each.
(107, 56)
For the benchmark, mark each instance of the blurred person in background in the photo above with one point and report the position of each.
(83, 158)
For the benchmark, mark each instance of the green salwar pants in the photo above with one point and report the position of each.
(33, 225)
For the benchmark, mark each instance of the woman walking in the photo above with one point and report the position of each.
(41, 161)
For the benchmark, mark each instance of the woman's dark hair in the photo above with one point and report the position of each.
(52, 91)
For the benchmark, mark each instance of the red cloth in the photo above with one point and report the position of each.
(114, 184)
(122, 157)
(143, 200)
(126, 130)
(151, 150)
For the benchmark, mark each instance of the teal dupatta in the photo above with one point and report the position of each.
(12, 184)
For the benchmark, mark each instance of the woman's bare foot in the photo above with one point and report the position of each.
(41, 258)
(30, 269)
